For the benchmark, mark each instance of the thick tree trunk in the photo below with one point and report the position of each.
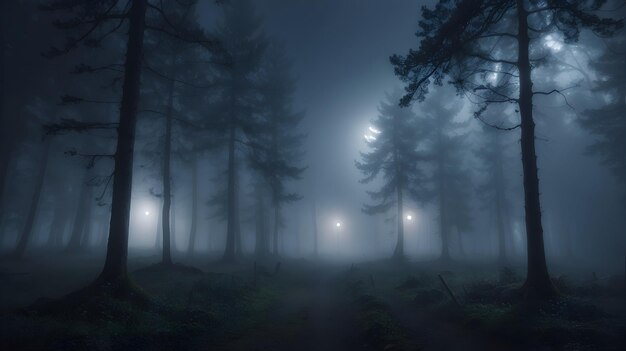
(80, 219)
(167, 178)
(18, 253)
(229, 251)
(115, 269)
(538, 284)
(194, 206)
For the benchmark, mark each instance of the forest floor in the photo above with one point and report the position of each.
(305, 305)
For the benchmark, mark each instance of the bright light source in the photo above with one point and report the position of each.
(369, 138)
(338, 224)
(409, 217)
(147, 213)
(552, 42)
(374, 130)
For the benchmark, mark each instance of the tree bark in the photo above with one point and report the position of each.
(117, 248)
(18, 253)
(538, 284)
(194, 205)
(167, 178)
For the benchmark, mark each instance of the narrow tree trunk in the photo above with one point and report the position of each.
(501, 230)
(398, 253)
(84, 242)
(229, 251)
(276, 227)
(18, 253)
(315, 235)
(158, 243)
(538, 284)
(194, 206)
(115, 269)
(84, 201)
(167, 178)
(261, 244)
(60, 219)
(4, 136)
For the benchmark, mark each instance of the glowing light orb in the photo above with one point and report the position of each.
(147, 213)
(409, 217)
(338, 224)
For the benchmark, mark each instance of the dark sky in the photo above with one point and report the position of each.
(341, 52)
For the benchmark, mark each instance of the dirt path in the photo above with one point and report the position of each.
(313, 317)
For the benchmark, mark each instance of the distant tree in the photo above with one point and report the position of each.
(89, 24)
(236, 117)
(451, 178)
(608, 122)
(494, 184)
(468, 40)
(395, 157)
(278, 150)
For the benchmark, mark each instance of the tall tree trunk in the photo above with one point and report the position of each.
(18, 253)
(84, 241)
(538, 284)
(158, 243)
(4, 136)
(194, 205)
(80, 219)
(115, 269)
(167, 177)
(315, 236)
(398, 253)
(276, 228)
(261, 245)
(229, 251)
(60, 219)
(500, 227)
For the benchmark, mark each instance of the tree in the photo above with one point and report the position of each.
(279, 144)
(450, 178)
(236, 117)
(608, 122)
(394, 143)
(468, 40)
(95, 21)
(493, 188)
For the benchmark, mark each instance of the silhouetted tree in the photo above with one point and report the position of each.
(459, 39)
(395, 157)
(236, 116)
(94, 21)
(608, 122)
(450, 178)
(493, 189)
(279, 144)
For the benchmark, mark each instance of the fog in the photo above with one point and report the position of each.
(141, 141)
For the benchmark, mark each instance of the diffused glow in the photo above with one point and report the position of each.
(374, 130)
(552, 43)
(338, 224)
(369, 138)
(147, 213)
(409, 217)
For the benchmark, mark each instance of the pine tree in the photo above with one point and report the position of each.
(468, 40)
(236, 116)
(279, 143)
(609, 121)
(395, 139)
